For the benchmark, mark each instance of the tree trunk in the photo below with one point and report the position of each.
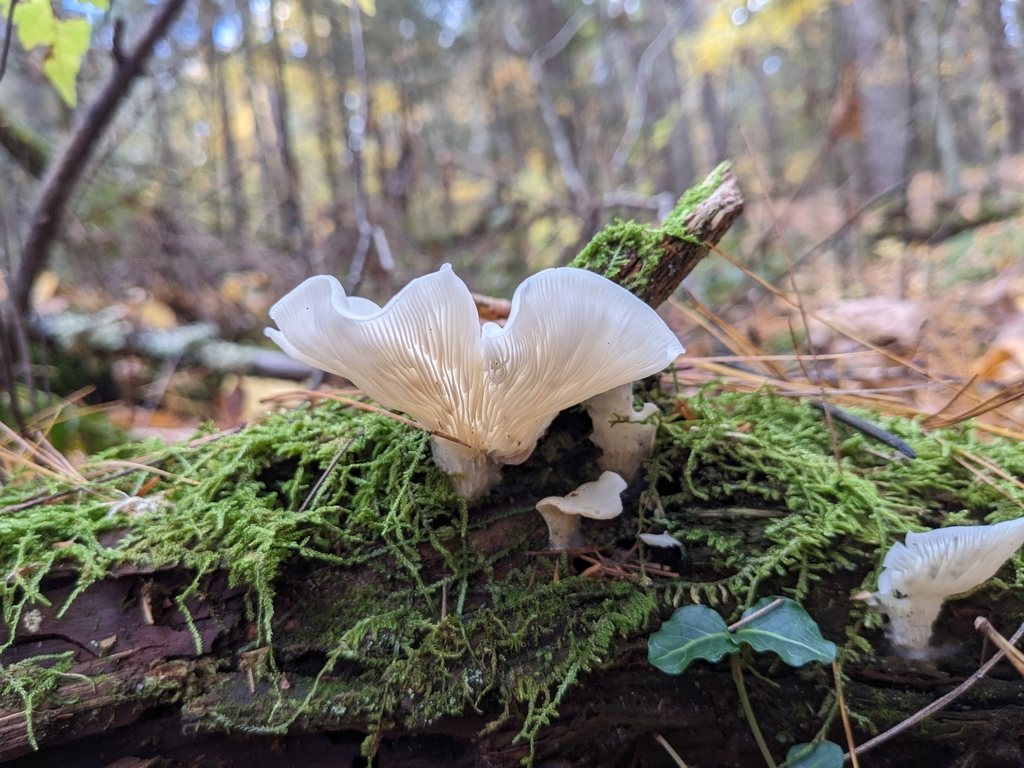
(211, 91)
(233, 178)
(932, 27)
(715, 118)
(64, 172)
(293, 227)
(261, 142)
(164, 149)
(357, 144)
(769, 125)
(25, 148)
(1002, 61)
(325, 97)
(884, 95)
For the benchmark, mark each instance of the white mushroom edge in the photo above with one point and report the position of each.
(620, 432)
(918, 575)
(599, 500)
(660, 540)
(571, 335)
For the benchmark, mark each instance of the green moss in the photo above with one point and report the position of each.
(392, 538)
(31, 682)
(621, 244)
(774, 454)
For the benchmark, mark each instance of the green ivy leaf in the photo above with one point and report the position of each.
(65, 57)
(103, 5)
(824, 754)
(788, 631)
(35, 22)
(693, 632)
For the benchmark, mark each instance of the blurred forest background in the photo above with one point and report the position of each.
(268, 140)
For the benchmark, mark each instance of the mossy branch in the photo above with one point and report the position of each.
(651, 262)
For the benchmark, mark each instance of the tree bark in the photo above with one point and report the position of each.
(706, 223)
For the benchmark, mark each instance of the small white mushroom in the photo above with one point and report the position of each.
(919, 575)
(571, 334)
(660, 540)
(625, 441)
(599, 500)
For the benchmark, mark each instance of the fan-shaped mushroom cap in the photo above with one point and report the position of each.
(571, 334)
(918, 575)
(599, 500)
(624, 440)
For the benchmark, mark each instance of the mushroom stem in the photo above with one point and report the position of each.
(473, 472)
(599, 500)
(625, 441)
(563, 530)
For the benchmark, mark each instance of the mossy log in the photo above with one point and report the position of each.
(310, 591)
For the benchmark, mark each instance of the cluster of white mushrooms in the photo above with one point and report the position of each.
(572, 337)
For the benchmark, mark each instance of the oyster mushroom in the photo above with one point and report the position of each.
(918, 575)
(571, 335)
(619, 431)
(598, 500)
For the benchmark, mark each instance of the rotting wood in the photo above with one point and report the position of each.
(697, 712)
(706, 224)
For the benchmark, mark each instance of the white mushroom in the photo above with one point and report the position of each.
(571, 334)
(599, 500)
(625, 441)
(660, 540)
(919, 575)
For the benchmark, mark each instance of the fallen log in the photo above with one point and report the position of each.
(109, 332)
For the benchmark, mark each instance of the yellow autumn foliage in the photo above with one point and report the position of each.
(714, 46)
